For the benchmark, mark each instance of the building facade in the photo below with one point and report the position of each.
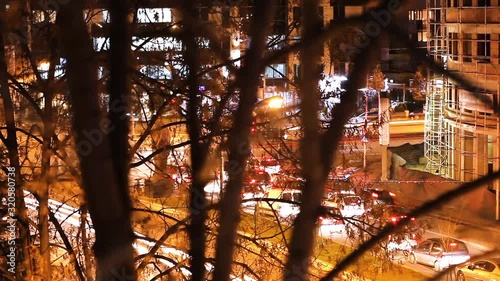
(462, 128)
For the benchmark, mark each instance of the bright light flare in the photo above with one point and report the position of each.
(276, 103)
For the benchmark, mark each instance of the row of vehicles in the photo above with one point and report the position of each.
(268, 190)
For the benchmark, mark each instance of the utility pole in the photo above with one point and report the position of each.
(365, 129)
(384, 119)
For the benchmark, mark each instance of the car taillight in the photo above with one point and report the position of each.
(412, 219)
(252, 181)
(392, 194)
(374, 195)
(394, 219)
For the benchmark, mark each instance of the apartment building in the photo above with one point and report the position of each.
(462, 128)
(158, 55)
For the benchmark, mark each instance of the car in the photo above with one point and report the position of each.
(377, 196)
(393, 214)
(349, 205)
(330, 221)
(275, 202)
(251, 194)
(440, 253)
(270, 165)
(258, 177)
(484, 269)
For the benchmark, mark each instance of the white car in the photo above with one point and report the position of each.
(349, 205)
(440, 253)
(285, 210)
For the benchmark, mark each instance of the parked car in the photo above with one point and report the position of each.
(440, 253)
(286, 210)
(485, 269)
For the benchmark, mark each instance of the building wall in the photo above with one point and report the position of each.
(470, 46)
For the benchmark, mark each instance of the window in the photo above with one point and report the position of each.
(276, 42)
(101, 43)
(156, 44)
(425, 246)
(483, 3)
(156, 72)
(339, 12)
(467, 47)
(287, 196)
(203, 13)
(44, 16)
(105, 16)
(296, 71)
(275, 70)
(203, 43)
(483, 47)
(320, 23)
(297, 197)
(466, 3)
(436, 248)
(226, 18)
(452, 3)
(154, 15)
(453, 45)
(297, 14)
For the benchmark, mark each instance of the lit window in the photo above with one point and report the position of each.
(181, 70)
(44, 16)
(101, 43)
(100, 72)
(154, 15)
(275, 70)
(156, 44)
(276, 42)
(105, 16)
(203, 43)
(156, 72)
(236, 54)
(43, 69)
(60, 68)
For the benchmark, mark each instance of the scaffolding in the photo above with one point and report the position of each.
(461, 134)
(435, 145)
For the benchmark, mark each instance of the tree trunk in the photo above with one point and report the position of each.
(303, 237)
(239, 138)
(103, 186)
(85, 244)
(13, 154)
(46, 175)
(197, 200)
